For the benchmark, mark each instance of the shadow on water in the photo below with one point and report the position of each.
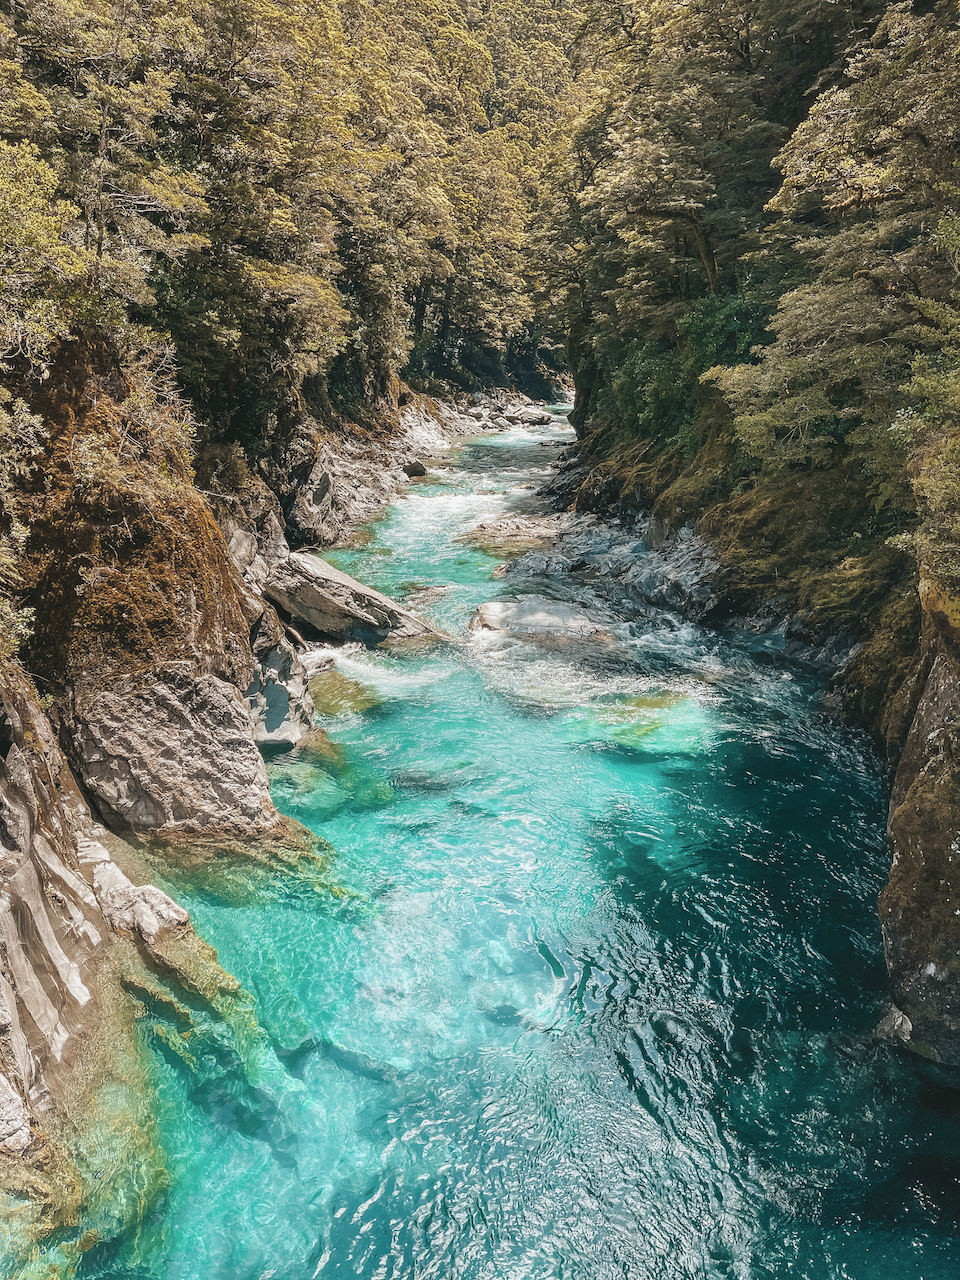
(921, 1195)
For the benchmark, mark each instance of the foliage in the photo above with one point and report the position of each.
(295, 196)
(21, 438)
(740, 219)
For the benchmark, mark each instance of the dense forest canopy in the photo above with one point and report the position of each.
(741, 219)
(286, 193)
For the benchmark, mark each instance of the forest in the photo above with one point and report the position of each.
(734, 224)
(571, 927)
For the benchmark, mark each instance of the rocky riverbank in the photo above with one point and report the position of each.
(170, 626)
(169, 620)
(858, 624)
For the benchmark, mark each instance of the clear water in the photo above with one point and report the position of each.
(600, 1003)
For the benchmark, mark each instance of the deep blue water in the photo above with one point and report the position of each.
(600, 1001)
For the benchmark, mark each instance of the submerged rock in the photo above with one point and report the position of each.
(535, 617)
(448, 779)
(335, 694)
(303, 785)
(338, 607)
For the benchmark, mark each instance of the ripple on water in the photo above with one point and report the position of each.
(598, 1004)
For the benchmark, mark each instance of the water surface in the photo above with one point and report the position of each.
(598, 1003)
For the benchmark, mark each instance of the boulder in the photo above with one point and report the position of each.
(338, 607)
(524, 415)
(536, 617)
(511, 535)
(414, 468)
(170, 752)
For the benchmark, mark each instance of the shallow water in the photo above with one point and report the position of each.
(599, 1003)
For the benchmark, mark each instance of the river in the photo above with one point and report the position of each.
(596, 1001)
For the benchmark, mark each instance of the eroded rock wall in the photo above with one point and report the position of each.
(62, 902)
(920, 907)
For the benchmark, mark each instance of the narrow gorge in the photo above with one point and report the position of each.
(479, 640)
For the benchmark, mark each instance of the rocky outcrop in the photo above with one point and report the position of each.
(253, 527)
(56, 960)
(920, 907)
(143, 625)
(278, 697)
(499, 409)
(171, 753)
(51, 925)
(338, 607)
(84, 951)
(327, 483)
(539, 619)
(512, 535)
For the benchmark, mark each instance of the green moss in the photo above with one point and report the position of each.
(124, 566)
(293, 862)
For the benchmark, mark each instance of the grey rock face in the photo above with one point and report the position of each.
(54, 935)
(618, 565)
(532, 617)
(253, 529)
(680, 577)
(134, 910)
(51, 927)
(327, 484)
(920, 906)
(171, 752)
(336, 606)
(278, 697)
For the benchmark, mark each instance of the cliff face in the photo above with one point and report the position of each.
(790, 555)
(90, 964)
(152, 646)
(63, 902)
(920, 907)
(162, 666)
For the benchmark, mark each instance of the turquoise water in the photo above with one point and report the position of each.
(599, 1001)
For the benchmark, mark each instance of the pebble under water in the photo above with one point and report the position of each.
(598, 1001)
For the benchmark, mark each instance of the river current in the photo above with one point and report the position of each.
(596, 998)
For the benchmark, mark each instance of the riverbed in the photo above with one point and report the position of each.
(594, 996)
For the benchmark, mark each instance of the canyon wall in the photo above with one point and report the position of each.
(768, 561)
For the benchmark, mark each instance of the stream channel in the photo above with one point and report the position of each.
(599, 1002)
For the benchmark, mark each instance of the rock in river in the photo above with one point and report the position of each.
(537, 618)
(336, 606)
